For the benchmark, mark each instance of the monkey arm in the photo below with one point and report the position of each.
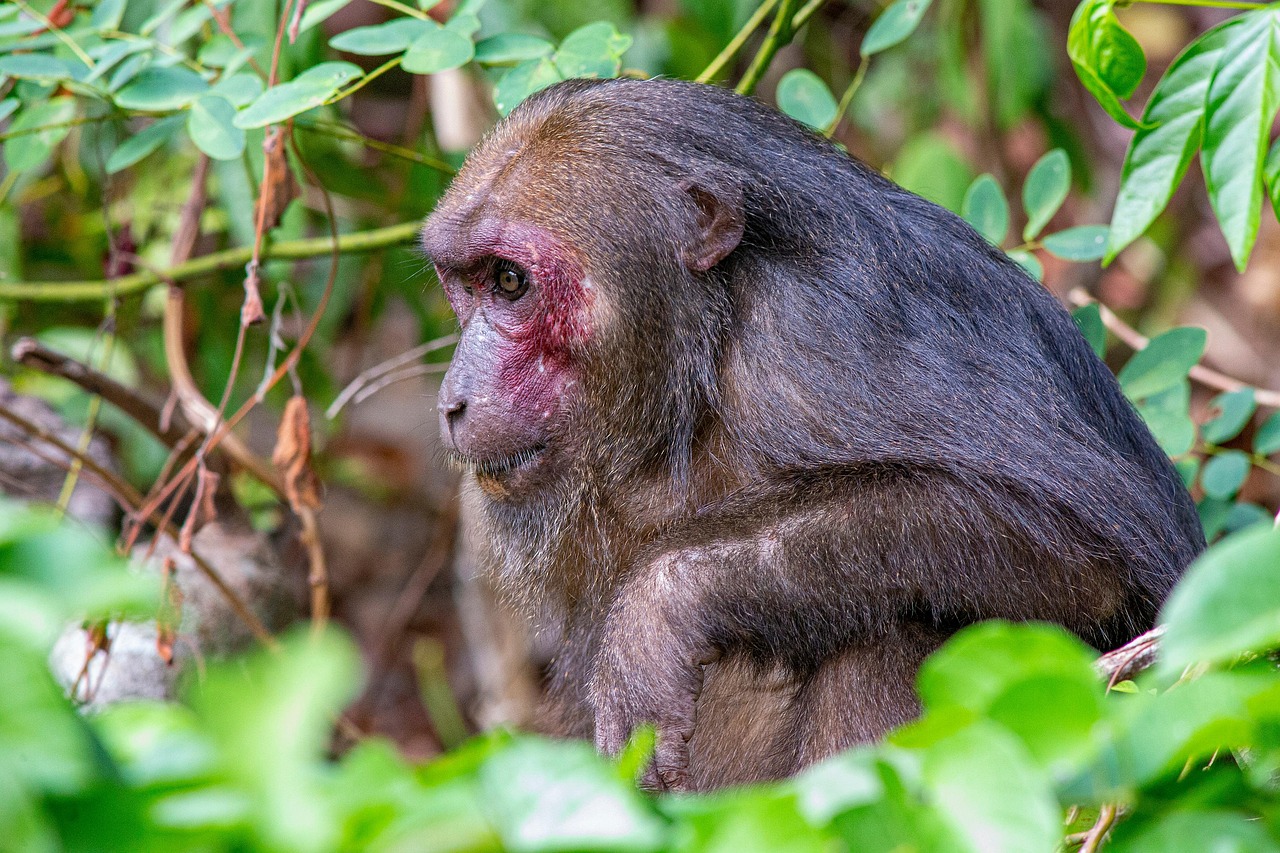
(822, 563)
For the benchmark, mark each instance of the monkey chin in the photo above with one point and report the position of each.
(507, 477)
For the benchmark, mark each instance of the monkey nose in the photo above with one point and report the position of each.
(451, 409)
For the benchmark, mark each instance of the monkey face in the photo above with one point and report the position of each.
(521, 299)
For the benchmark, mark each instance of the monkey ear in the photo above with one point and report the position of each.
(718, 222)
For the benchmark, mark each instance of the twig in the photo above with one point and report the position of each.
(31, 353)
(355, 386)
(80, 291)
(130, 500)
(780, 32)
(1130, 659)
(1092, 841)
(847, 97)
(1204, 375)
(735, 44)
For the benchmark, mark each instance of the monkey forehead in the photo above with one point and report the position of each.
(457, 243)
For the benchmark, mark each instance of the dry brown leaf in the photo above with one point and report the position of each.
(292, 455)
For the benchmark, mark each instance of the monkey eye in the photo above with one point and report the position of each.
(509, 280)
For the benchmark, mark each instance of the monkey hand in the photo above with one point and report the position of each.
(649, 669)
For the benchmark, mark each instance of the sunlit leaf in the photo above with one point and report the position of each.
(522, 81)
(1227, 604)
(510, 48)
(1163, 362)
(1240, 107)
(162, 89)
(1089, 320)
(1029, 263)
(1107, 59)
(1167, 414)
(392, 36)
(594, 50)
(437, 49)
(985, 208)
(894, 25)
(211, 125)
(1044, 191)
(1160, 151)
(1235, 408)
(802, 95)
(310, 89)
(36, 131)
(1266, 440)
(1224, 474)
(1081, 243)
(144, 142)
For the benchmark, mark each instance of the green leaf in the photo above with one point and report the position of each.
(211, 125)
(144, 142)
(162, 89)
(1029, 263)
(1194, 829)
(37, 66)
(1271, 176)
(1044, 191)
(1235, 408)
(1001, 803)
(1173, 130)
(592, 51)
(929, 165)
(894, 25)
(1266, 440)
(520, 82)
(1224, 474)
(1107, 59)
(8, 107)
(393, 36)
(1188, 468)
(309, 89)
(985, 208)
(510, 48)
(559, 795)
(1081, 243)
(270, 716)
(1165, 361)
(319, 12)
(29, 150)
(464, 24)
(1089, 320)
(107, 14)
(240, 89)
(1167, 415)
(437, 49)
(1227, 604)
(1241, 105)
(802, 95)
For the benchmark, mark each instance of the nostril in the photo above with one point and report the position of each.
(453, 410)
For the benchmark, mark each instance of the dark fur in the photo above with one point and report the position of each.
(785, 479)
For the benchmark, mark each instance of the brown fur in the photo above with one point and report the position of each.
(810, 426)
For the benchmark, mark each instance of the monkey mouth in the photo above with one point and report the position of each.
(495, 468)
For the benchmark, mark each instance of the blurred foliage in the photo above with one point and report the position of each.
(1019, 732)
(106, 109)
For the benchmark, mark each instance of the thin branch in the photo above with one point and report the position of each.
(780, 33)
(1133, 657)
(80, 291)
(129, 498)
(1204, 375)
(847, 97)
(383, 368)
(735, 44)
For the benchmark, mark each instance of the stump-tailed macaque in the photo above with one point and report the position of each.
(755, 430)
